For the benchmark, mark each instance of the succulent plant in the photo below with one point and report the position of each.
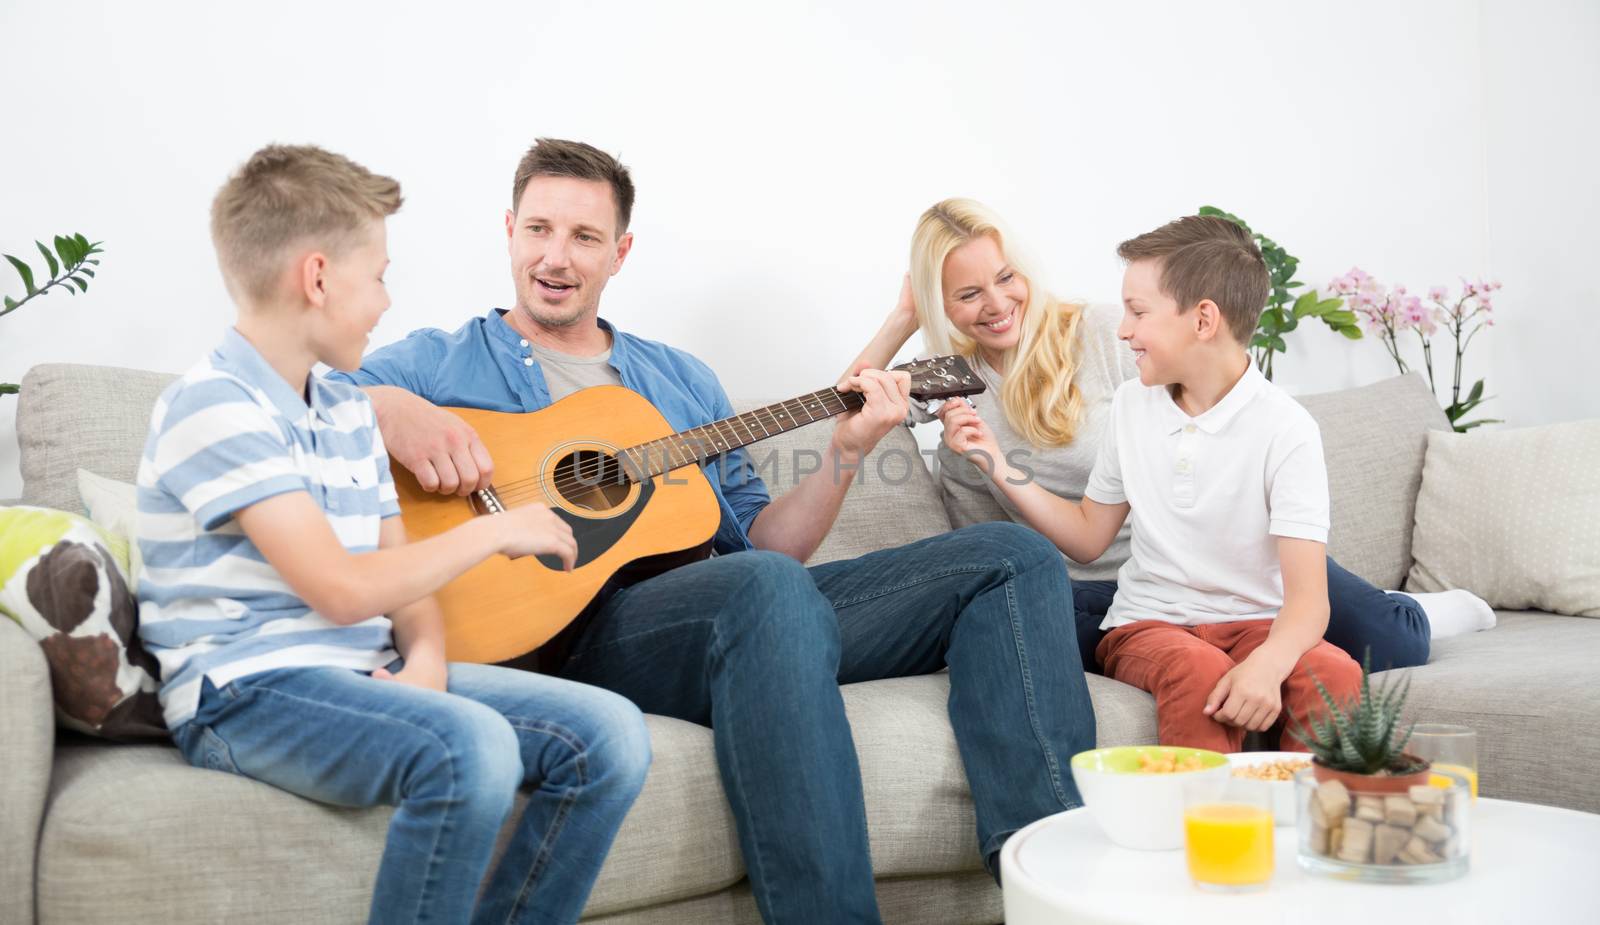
(1362, 735)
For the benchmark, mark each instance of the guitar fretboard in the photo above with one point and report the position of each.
(699, 444)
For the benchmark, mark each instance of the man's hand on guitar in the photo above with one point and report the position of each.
(887, 394)
(440, 449)
(535, 530)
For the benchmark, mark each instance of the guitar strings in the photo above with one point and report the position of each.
(593, 474)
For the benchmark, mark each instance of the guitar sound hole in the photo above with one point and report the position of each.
(591, 480)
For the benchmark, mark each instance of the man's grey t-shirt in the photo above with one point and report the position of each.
(565, 374)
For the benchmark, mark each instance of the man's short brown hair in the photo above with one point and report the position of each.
(286, 194)
(554, 157)
(1206, 257)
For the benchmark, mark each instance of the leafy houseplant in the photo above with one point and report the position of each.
(1284, 310)
(71, 265)
(1362, 738)
(1389, 312)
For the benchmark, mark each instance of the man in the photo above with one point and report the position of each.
(750, 641)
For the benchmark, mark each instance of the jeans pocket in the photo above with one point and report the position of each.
(215, 753)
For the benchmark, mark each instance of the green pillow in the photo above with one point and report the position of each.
(64, 580)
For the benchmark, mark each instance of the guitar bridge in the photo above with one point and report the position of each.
(486, 501)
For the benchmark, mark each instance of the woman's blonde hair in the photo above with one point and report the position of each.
(1040, 394)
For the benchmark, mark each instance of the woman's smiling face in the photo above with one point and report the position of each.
(984, 297)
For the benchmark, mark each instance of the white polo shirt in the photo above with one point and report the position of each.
(1208, 495)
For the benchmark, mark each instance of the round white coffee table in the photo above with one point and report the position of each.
(1529, 864)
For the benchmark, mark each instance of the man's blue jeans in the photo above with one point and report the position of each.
(756, 645)
(451, 763)
(1361, 618)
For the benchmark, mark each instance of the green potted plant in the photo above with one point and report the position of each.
(1361, 743)
(71, 265)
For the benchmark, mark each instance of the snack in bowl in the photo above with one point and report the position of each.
(1135, 793)
(1275, 771)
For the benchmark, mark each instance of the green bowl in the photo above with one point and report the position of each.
(1140, 810)
(1124, 759)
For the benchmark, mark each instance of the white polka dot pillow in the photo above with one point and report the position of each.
(1512, 516)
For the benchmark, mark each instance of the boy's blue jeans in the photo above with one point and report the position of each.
(1360, 617)
(451, 764)
(755, 645)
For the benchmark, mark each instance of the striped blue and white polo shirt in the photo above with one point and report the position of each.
(229, 433)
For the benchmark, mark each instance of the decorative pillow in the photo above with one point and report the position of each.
(62, 579)
(114, 506)
(1512, 516)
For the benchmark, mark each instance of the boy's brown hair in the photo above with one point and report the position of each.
(286, 194)
(554, 157)
(1206, 257)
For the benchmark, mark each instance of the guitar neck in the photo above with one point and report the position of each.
(699, 444)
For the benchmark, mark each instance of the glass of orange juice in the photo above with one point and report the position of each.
(1228, 839)
(1452, 749)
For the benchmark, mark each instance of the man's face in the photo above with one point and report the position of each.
(564, 246)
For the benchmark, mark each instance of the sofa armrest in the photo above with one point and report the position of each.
(27, 751)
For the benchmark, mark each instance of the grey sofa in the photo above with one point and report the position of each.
(97, 831)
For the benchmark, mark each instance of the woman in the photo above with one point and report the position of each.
(1051, 367)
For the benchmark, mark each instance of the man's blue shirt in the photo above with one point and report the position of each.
(486, 364)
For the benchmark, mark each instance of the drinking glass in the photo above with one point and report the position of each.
(1448, 748)
(1228, 839)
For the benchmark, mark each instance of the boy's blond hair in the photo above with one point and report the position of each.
(288, 194)
(1206, 257)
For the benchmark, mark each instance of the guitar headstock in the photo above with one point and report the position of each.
(938, 378)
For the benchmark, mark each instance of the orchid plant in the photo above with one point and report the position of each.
(1390, 312)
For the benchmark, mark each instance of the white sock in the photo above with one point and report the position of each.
(1453, 613)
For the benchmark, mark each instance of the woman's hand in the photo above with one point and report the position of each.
(903, 317)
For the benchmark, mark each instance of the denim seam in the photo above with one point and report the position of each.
(541, 858)
(619, 640)
(920, 580)
(755, 866)
(433, 851)
(1027, 684)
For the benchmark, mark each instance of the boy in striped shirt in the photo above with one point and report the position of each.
(298, 640)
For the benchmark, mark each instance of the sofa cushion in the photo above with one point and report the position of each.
(1527, 687)
(123, 817)
(70, 416)
(1373, 438)
(1513, 516)
(892, 501)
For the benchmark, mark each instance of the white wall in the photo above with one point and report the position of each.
(783, 152)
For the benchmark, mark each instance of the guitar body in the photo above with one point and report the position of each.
(503, 608)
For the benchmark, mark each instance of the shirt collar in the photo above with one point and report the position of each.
(237, 351)
(1215, 418)
(500, 329)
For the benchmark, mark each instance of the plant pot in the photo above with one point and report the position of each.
(1373, 783)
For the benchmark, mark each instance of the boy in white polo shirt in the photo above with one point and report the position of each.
(298, 640)
(1222, 604)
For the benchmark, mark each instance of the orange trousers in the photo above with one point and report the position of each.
(1181, 665)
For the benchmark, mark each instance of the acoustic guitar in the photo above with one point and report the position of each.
(605, 461)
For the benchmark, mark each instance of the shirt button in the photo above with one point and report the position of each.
(524, 342)
(1188, 428)
(527, 361)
